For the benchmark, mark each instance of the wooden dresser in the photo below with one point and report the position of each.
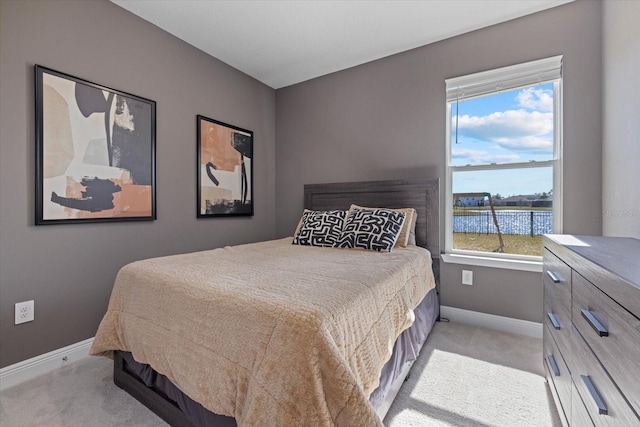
(592, 328)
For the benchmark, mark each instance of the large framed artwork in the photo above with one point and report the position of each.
(95, 152)
(225, 169)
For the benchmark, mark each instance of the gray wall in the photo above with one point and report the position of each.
(386, 119)
(69, 269)
(621, 122)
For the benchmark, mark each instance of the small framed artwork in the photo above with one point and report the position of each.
(95, 152)
(225, 169)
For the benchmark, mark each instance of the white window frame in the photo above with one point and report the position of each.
(548, 70)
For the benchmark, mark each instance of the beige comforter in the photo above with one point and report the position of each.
(270, 333)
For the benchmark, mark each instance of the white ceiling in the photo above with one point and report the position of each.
(283, 42)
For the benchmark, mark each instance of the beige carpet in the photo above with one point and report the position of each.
(471, 376)
(465, 376)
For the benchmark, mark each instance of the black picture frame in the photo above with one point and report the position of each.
(95, 152)
(225, 169)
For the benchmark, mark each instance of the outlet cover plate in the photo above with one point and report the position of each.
(24, 312)
(467, 277)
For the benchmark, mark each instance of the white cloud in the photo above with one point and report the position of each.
(518, 130)
(466, 156)
(528, 143)
(536, 99)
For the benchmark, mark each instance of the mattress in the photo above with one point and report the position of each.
(406, 350)
(269, 332)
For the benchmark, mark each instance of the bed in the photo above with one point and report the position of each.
(304, 336)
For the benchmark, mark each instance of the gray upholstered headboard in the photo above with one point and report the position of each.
(423, 195)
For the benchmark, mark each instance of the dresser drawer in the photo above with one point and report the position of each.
(562, 414)
(557, 299)
(579, 414)
(557, 371)
(619, 346)
(604, 403)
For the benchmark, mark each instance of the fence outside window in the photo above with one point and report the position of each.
(532, 223)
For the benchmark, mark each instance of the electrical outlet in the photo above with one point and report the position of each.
(467, 277)
(24, 312)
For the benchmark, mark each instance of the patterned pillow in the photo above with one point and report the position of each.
(320, 228)
(376, 229)
(408, 233)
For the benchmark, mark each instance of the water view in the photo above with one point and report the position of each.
(519, 222)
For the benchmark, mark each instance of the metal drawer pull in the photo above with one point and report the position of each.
(554, 321)
(595, 323)
(602, 408)
(554, 365)
(554, 276)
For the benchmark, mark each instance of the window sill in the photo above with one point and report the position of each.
(507, 264)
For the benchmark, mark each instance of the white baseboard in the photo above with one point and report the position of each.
(30, 368)
(491, 321)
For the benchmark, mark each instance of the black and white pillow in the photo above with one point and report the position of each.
(320, 228)
(375, 229)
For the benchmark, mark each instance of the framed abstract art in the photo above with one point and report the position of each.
(225, 169)
(95, 152)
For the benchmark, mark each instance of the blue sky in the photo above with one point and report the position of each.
(514, 126)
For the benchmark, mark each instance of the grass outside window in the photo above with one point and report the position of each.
(513, 243)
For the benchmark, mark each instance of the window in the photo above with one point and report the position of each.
(503, 186)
